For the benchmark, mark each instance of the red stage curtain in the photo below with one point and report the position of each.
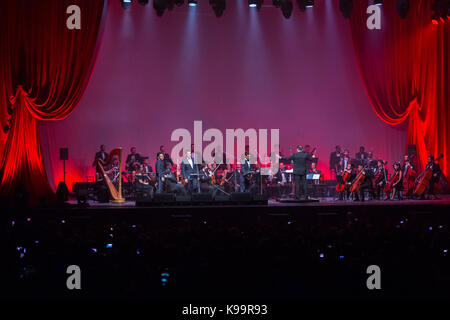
(44, 70)
(406, 73)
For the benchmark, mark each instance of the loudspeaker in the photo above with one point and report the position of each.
(241, 197)
(412, 149)
(180, 198)
(64, 154)
(143, 198)
(164, 198)
(202, 197)
(260, 198)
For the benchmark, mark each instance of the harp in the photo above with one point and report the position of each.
(114, 192)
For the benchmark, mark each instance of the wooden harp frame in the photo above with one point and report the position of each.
(115, 194)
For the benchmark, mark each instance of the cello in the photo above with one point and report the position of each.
(394, 179)
(345, 177)
(423, 180)
(356, 184)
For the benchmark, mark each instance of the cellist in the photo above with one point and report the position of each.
(409, 176)
(436, 169)
(395, 186)
(366, 183)
(380, 179)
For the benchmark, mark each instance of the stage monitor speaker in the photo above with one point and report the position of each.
(143, 198)
(241, 197)
(180, 198)
(412, 149)
(222, 198)
(260, 198)
(202, 197)
(64, 154)
(164, 198)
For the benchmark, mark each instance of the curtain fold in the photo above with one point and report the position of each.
(405, 71)
(44, 70)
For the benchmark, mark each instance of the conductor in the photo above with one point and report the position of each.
(300, 159)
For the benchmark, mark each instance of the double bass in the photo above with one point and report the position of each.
(423, 180)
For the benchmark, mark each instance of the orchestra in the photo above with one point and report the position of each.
(357, 178)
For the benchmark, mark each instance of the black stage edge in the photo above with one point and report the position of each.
(291, 200)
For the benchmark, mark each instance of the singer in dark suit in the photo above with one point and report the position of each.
(300, 165)
(160, 171)
(188, 167)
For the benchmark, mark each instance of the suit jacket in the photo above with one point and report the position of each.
(187, 170)
(335, 159)
(300, 159)
(160, 169)
(100, 155)
(361, 155)
(245, 167)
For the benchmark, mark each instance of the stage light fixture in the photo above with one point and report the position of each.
(192, 3)
(255, 3)
(218, 6)
(285, 6)
(441, 11)
(346, 7)
(378, 2)
(303, 4)
(402, 8)
(143, 2)
(179, 3)
(125, 3)
(160, 6)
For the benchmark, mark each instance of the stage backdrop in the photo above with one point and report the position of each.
(247, 69)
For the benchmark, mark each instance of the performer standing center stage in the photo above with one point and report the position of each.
(300, 158)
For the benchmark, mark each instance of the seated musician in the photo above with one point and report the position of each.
(146, 168)
(282, 181)
(132, 158)
(366, 184)
(349, 174)
(188, 169)
(409, 176)
(314, 169)
(142, 180)
(170, 181)
(397, 186)
(112, 171)
(434, 178)
(380, 179)
(345, 160)
(205, 178)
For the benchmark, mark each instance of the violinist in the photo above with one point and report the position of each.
(380, 179)
(409, 176)
(206, 178)
(395, 186)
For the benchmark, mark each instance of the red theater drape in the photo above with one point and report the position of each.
(406, 73)
(44, 70)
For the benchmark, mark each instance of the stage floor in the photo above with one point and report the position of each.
(323, 202)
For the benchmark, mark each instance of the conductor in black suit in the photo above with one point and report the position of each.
(300, 161)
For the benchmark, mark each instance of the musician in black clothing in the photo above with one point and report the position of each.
(170, 181)
(145, 167)
(366, 184)
(282, 181)
(380, 179)
(167, 158)
(132, 158)
(299, 167)
(102, 155)
(361, 156)
(160, 170)
(188, 170)
(247, 171)
(434, 178)
(335, 161)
